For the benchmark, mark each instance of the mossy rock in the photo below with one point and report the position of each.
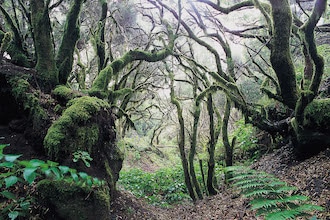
(317, 115)
(70, 201)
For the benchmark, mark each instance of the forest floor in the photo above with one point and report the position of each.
(311, 177)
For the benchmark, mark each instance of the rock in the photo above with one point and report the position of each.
(70, 201)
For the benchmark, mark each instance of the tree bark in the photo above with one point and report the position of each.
(46, 65)
(280, 51)
(211, 148)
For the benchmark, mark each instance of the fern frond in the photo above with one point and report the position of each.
(272, 198)
(235, 169)
(276, 182)
(285, 214)
(244, 181)
(285, 189)
(251, 185)
(239, 176)
(294, 198)
(258, 192)
(263, 203)
(309, 208)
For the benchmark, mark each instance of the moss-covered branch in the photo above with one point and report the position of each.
(102, 81)
(309, 40)
(16, 50)
(64, 58)
(198, 40)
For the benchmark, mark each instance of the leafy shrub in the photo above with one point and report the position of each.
(18, 174)
(246, 141)
(164, 187)
(272, 198)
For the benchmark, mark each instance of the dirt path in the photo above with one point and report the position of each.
(312, 177)
(225, 205)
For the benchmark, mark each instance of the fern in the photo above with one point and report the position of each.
(286, 214)
(271, 198)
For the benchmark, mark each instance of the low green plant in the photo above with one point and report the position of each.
(272, 198)
(245, 134)
(163, 187)
(18, 174)
(82, 155)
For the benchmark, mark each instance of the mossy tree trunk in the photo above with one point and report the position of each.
(280, 51)
(303, 132)
(100, 38)
(181, 142)
(211, 149)
(46, 64)
(228, 148)
(193, 139)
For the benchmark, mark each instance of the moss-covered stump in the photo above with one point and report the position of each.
(86, 125)
(70, 201)
(314, 135)
(33, 105)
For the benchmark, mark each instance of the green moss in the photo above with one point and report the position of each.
(65, 94)
(70, 201)
(86, 136)
(317, 115)
(74, 130)
(5, 42)
(111, 180)
(30, 100)
(58, 109)
(103, 79)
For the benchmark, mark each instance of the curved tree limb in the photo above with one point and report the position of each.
(64, 58)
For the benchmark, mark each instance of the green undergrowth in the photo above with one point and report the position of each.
(164, 187)
(271, 198)
(20, 178)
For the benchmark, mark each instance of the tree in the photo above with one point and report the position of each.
(275, 32)
(64, 120)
